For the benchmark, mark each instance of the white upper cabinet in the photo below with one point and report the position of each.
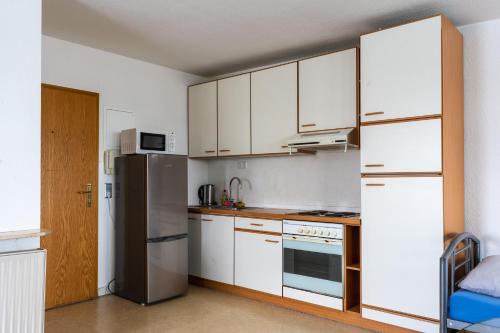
(234, 115)
(401, 71)
(203, 120)
(328, 91)
(274, 108)
(413, 146)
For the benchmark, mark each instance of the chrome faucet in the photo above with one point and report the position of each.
(237, 189)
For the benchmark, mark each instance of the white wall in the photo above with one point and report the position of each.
(482, 132)
(156, 95)
(329, 180)
(20, 33)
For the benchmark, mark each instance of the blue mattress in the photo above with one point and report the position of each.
(472, 307)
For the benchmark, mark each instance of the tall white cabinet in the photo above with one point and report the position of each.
(274, 108)
(412, 167)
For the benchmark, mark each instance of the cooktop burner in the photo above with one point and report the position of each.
(328, 213)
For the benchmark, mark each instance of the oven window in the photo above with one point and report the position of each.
(325, 266)
(151, 141)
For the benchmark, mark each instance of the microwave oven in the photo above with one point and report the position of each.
(136, 141)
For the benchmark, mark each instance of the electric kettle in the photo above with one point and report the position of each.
(206, 194)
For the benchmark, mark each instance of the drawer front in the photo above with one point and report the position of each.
(413, 146)
(258, 224)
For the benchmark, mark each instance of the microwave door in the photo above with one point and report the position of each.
(153, 142)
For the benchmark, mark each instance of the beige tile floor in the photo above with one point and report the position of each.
(202, 310)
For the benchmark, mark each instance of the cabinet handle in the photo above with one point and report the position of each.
(374, 165)
(191, 219)
(375, 184)
(284, 146)
(257, 224)
(207, 220)
(209, 151)
(374, 113)
(272, 241)
(224, 150)
(308, 125)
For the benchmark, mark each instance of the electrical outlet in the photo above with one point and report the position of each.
(109, 190)
(242, 165)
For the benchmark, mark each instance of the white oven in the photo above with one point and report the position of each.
(313, 262)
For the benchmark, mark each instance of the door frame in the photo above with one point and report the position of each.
(98, 103)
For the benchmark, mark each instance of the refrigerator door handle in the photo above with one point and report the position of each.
(166, 238)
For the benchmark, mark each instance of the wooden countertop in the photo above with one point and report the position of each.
(273, 214)
(9, 235)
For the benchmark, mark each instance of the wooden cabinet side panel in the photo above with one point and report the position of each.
(453, 130)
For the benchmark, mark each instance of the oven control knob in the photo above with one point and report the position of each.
(300, 230)
(334, 234)
(320, 232)
(313, 232)
(327, 233)
(307, 231)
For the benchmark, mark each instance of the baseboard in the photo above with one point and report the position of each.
(103, 291)
(350, 318)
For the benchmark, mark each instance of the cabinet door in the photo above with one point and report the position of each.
(402, 239)
(401, 71)
(274, 108)
(203, 120)
(328, 91)
(234, 115)
(217, 248)
(413, 146)
(194, 244)
(258, 262)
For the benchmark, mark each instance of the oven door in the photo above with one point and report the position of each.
(313, 264)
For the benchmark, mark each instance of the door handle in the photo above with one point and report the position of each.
(308, 125)
(374, 165)
(374, 113)
(88, 192)
(272, 241)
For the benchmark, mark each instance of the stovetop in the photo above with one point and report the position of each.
(327, 213)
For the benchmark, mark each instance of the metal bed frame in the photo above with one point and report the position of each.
(466, 248)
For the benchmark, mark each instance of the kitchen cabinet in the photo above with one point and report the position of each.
(217, 248)
(194, 244)
(258, 262)
(402, 241)
(202, 116)
(274, 108)
(413, 146)
(234, 115)
(401, 71)
(328, 88)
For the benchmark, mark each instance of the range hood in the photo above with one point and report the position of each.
(338, 139)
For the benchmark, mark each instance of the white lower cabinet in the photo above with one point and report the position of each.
(258, 262)
(402, 241)
(211, 247)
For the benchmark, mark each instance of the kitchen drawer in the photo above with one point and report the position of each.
(413, 146)
(258, 224)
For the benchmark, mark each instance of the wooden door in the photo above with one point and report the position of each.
(203, 120)
(402, 241)
(274, 108)
(234, 115)
(401, 71)
(328, 87)
(70, 121)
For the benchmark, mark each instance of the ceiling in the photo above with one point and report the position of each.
(212, 37)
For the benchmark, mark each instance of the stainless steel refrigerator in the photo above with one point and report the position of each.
(151, 249)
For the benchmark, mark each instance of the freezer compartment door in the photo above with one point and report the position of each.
(166, 195)
(167, 268)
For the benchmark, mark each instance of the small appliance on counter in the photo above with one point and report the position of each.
(206, 194)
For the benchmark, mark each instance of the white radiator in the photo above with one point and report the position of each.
(22, 291)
